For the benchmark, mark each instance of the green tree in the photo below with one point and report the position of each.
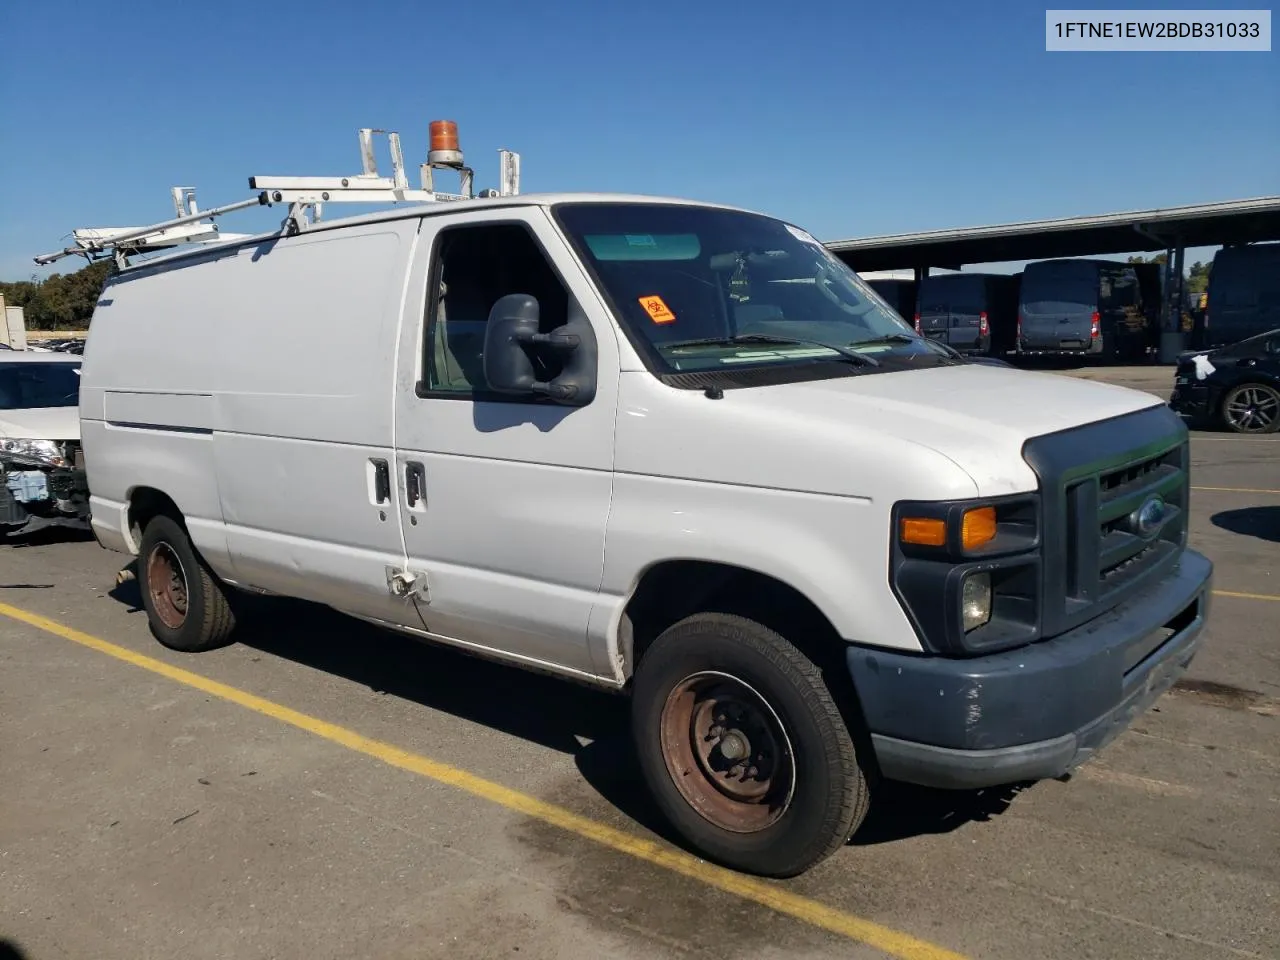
(60, 301)
(1198, 277)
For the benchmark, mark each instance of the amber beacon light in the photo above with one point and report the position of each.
(445, 150)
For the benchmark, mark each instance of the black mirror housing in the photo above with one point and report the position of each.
(510, 334)
(513, 322)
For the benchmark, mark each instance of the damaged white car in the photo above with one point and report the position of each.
(42, 478)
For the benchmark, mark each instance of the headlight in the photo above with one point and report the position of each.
(975, 600)
(32, 452)
(968, 572)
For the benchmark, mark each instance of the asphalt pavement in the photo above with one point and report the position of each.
(325, 789)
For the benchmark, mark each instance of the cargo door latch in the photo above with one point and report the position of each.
(408, 585)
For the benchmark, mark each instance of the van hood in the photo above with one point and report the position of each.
(41, 423)
(978, 416)
(947, 432)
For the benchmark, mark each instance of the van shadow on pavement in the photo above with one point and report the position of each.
(1260, 522)
(546, 710)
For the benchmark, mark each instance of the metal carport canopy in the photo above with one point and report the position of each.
(1198, 225)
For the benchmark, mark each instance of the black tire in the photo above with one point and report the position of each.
(1264, 402)
(828, 793)
(201, 618)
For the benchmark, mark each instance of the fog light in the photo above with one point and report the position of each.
(975, 600)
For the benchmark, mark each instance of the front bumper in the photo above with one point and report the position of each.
(1038, 711)
(1191, 398)
(56, 499)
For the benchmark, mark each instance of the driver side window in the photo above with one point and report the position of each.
(473, 268)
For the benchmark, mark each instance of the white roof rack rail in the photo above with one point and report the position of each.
(305, 196)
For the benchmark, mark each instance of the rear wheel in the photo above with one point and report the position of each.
(743, 747)
(1251, 408)
(187, 608)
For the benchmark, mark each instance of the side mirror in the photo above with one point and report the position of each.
(513, 322)
(511, 336)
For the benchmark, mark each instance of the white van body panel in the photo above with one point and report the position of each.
(146, 399)
(252, 387)
(511, 534)
(770, 480)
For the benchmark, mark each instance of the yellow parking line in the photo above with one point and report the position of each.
(1238, 490)
(1245, 596)
(766, 894)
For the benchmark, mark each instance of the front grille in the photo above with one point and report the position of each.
(1095, 482)
(1124, 550)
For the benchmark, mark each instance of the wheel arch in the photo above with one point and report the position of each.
(144, 503)
(670, 590)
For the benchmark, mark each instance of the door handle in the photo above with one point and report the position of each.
(414, 477)
(381, 480)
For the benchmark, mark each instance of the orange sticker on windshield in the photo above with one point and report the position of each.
(658, 311)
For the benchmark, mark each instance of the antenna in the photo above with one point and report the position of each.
(304, 195)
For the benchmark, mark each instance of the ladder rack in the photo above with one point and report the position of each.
(305, 196)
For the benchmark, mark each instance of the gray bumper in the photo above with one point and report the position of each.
(1038, 711)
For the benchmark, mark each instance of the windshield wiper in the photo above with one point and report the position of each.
(887, 338)
(748, 338)
(949, 350)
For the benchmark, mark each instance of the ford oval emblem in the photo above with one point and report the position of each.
(1148, 518)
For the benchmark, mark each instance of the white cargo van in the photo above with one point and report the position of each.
(668, 448)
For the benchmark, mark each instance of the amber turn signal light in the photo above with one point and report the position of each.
(978, 527)
(924, 531)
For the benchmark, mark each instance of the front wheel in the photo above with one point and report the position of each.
(1251, 408)
(743, 747)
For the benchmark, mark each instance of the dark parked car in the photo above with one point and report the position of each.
(1237, 386)
(1090, 308)
(975, 313)
(1244, 294)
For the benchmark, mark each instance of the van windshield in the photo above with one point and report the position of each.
(27, 386)
(690, 282)
(1059, 288)
(953, 295)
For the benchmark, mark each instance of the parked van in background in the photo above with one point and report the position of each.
(899, 294)
(1089, 308)
(974, 313)
(1244, 294)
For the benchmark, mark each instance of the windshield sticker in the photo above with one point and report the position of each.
(801, 235)
(640, 240)
(658, 311)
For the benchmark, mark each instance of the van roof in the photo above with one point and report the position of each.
(434, 210)
(1263, 250)
(1087, 261)
(934, 277)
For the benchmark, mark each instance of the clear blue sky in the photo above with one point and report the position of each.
(849, 118)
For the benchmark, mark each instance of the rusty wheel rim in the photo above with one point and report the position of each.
(167, 585)
(727, 752)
